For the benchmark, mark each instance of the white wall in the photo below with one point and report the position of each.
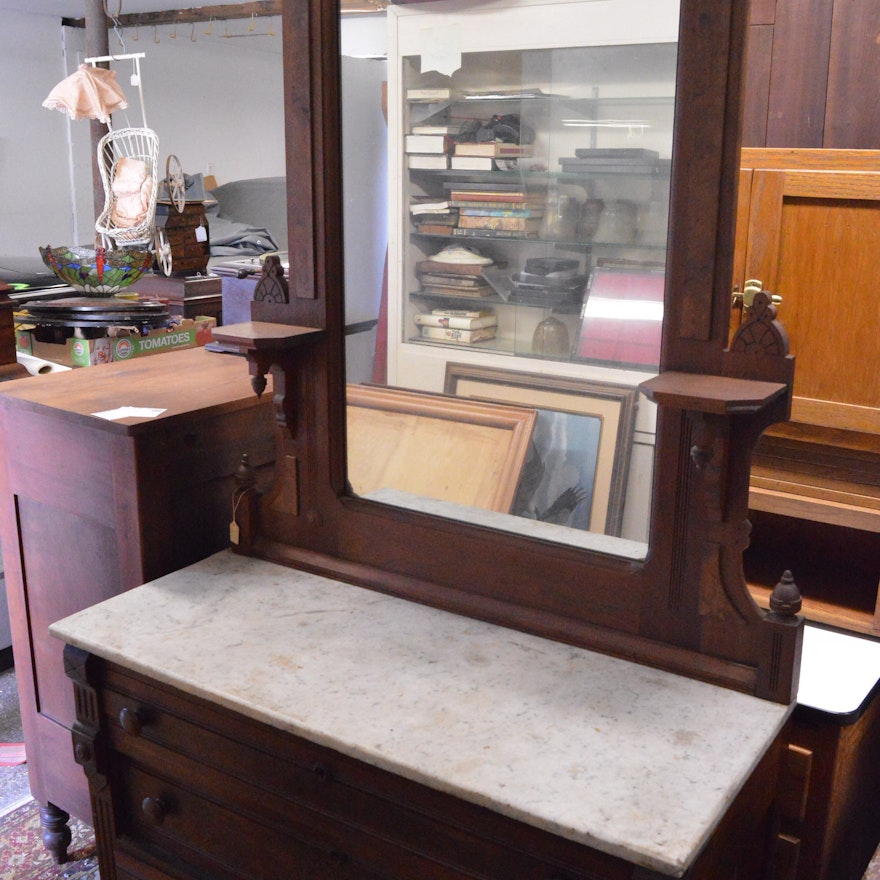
(35, 200)
(215, 102)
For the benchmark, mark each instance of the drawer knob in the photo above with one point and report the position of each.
(322, 771)
(132, 721)
(154, 810)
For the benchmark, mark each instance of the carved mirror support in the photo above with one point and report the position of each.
(683, 604)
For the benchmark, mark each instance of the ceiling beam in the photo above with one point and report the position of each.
(223, 12)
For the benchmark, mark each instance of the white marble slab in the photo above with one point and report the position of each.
(635, 762)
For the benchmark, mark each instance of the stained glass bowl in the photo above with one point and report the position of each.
(98, 271)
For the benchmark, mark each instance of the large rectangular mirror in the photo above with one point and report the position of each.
(529, 150)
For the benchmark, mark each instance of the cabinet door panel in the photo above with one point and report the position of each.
(812, 239)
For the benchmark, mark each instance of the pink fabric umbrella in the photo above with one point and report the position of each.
(88, 93)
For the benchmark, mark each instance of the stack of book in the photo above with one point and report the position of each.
(497, 210)
(488, 155)
(462, 326)
(428, 151)
(453, 279)
(433, 216)
(429, 146)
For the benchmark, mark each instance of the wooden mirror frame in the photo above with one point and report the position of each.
(686, 608)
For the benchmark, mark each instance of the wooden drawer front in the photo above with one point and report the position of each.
(376, 818)
(211, 447)
(162, 823)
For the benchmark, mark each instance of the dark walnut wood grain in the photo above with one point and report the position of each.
(92, 507)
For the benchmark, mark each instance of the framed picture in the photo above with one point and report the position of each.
(622, 318)
(576, 469)
(465, 451)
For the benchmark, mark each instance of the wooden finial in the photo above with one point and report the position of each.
(785, 600)
(245, 478)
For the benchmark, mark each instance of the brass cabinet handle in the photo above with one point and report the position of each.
(752, 286)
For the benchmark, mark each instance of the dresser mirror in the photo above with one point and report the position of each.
(675, 599)
(529, 168)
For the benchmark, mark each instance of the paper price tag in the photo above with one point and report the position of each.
(233, 532)
(201, 233)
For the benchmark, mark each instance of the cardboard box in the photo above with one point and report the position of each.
(57, 352)
(90, 352)
(191, 332)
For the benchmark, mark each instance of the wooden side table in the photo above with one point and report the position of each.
(90, 508)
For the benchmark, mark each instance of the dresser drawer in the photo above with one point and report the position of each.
(188, 750)
(162, 823)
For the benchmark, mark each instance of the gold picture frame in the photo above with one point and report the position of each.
(592, 438)
(403, 440)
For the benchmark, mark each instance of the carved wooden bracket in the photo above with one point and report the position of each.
(727, 415)
(272, 286)
(761, 333)
(269, 347)
(88, 747)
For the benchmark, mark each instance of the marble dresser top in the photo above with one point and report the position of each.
(635, 762)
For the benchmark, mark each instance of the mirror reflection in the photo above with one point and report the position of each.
(506, 191)
(528, 153)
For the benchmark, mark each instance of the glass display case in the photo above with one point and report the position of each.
(530, 156)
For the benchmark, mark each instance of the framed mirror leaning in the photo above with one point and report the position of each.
(677, 597)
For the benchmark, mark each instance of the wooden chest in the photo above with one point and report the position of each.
(188, 254)
(90, 508)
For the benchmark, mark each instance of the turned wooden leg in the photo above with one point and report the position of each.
(56, 833)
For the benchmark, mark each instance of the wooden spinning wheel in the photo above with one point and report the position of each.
(175, 182)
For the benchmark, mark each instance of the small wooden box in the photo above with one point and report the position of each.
(188, 254)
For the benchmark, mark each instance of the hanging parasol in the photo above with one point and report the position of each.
(88, 93)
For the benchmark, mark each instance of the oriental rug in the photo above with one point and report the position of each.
(23, 856)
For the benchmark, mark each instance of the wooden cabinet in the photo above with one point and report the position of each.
(92, 507)
(575, 221)
(838, 822)
(808, 229)
(9, 367)
(810, 74)
(179, 783)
